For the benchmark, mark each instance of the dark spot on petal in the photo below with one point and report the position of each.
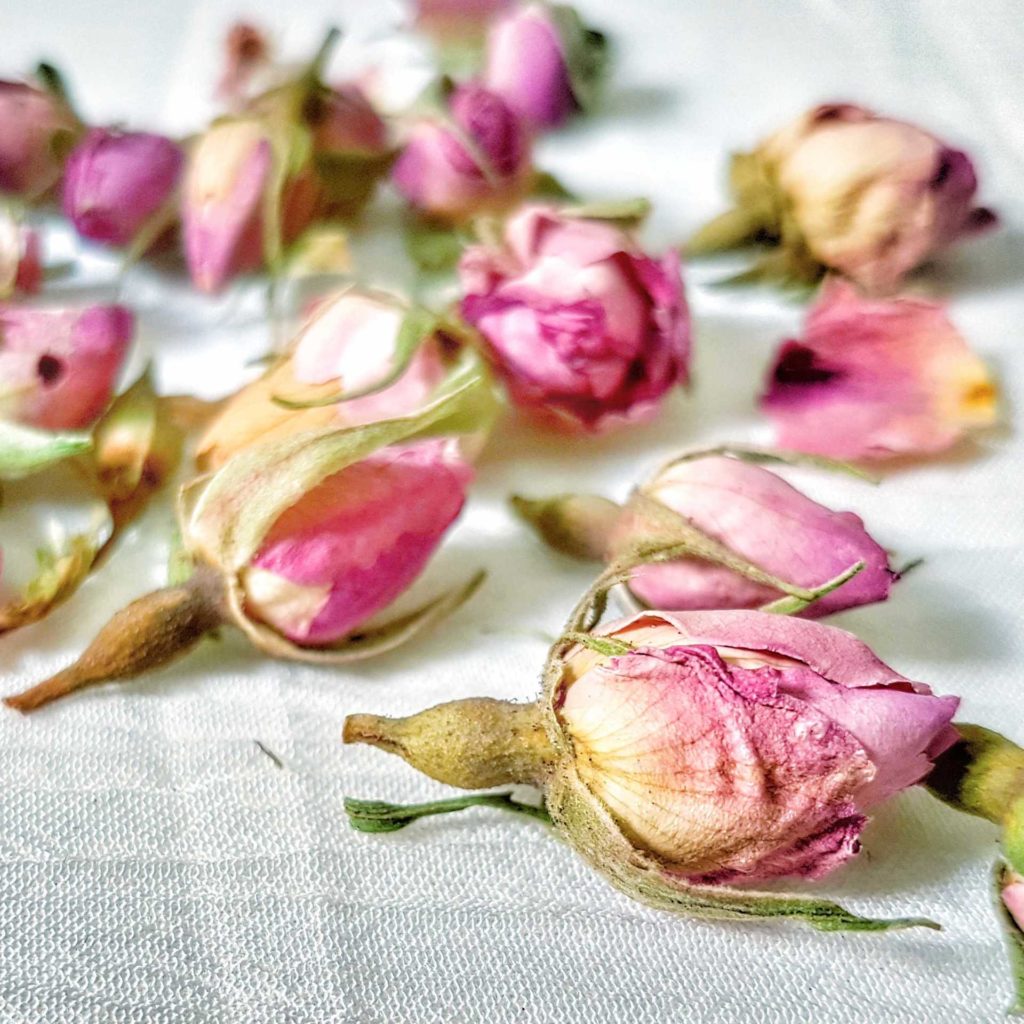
(799, 365)
(829, 111)
(50, 369)
(943, 169)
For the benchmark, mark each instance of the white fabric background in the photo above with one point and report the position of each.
(158, 868)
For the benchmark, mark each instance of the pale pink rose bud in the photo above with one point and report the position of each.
(349, 346)
(587, 330)
(848, 190)
(356, 542)
(229, 175)
(544, 62)
(1013, 898)
(478, 161)
(21, 265)
(452, 20)
(117, 184)
(876, 378)
(680, 753)
(37, 130)
(795, 730)
(299, 541)
(753, 512)
(58, 368)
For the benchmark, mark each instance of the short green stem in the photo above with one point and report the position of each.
(378, 816)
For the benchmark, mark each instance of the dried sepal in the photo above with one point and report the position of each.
(27, 450)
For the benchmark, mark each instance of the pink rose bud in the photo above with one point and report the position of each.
(356, 542)
(351, 345)
(1013, 898)
(845, 189)
(58, 368)
(230, 172)
(751, 511)
(118, 184)
(544, 62)
(37, 130)
(21, 265)
(300, 540)
(876, 378)
(678, 752)
(587, 330)
(479, 161)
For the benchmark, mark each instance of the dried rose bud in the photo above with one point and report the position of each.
(362, 357)
(301, 541)
(37, 130)
(544, 62)
(235, 170)
(247, 53)
(678, 753)
(118, 185)
(21, 266)
(58, 367)
(1013, 897)
(352, 147)
(739, 504)
(846, 189)
(876, 378)
(475, 159)
(587, 330)
(454, 20)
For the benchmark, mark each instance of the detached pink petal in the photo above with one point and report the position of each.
(355, 543)
(58, 368)
(876, 378)
(762, 518)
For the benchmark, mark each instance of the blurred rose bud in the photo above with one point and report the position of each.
(587, 330)
(118, 185)
(352, 146)
(452, 20)
(678, 752)
(21, 266)
(300, 541)
(355, 343)
(477, 161)
(751, 511)
(37, 131)
(1013, 898)
(876, 378)
(544, 62)
(58, 368)
(247, 53)
(234, 171)
(868, 196)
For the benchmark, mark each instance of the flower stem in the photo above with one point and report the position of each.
(148, 633)
(792, 604)
(378, 816)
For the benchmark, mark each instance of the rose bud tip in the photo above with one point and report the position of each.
(149, 633)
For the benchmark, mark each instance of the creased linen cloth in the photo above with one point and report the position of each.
(159, 867)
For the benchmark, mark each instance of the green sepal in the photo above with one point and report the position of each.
(547, 187)
(27, 450)
(593, 833)
(587, 55)
(628, 212)
(433, 247)
(770, 456)
(378, 816)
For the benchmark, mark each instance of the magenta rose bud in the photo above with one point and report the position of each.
(544, 63)
(478, 161)
(587, 330)
(58, 368)
(117, 183)
(876, 378)
(352, 545)
(36, 131)
(759, 516)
